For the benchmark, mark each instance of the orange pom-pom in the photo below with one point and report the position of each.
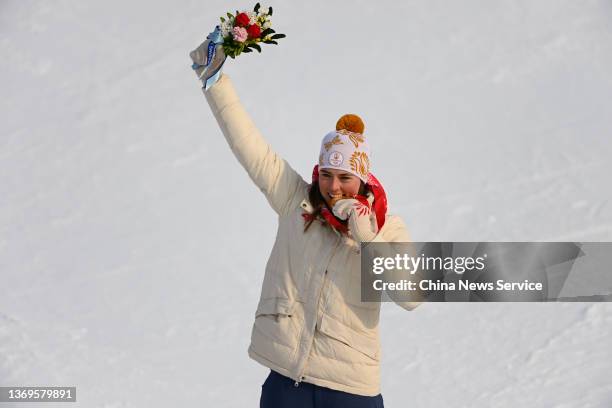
(350, 122)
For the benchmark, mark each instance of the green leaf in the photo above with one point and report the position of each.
(222, 19)
(230, 16)
(256, 7)
(266, 32)
(247, 50)
(256, 46)
(270, 11)
(277, 36)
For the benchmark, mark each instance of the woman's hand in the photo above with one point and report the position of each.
(361, 219)
(334, 200)
(208, 58)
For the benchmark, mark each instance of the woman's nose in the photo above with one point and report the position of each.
(335, 185)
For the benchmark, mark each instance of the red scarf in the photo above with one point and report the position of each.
(379, 205)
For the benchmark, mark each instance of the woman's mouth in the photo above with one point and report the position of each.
(334, 198)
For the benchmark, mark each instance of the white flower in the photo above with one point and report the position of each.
(226, 28)
(266, 24)
(263, 10)
(252, 17)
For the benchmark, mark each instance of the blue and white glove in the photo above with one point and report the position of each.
(208, 59)
(361, 219)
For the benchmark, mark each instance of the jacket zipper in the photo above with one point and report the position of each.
(301, 376)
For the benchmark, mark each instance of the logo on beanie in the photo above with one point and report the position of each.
(335, 158)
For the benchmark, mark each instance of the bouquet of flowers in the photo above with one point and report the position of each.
(244, 31)
(236, 34)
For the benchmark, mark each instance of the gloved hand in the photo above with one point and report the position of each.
(361, 219)
(334, 200)
(208, 58)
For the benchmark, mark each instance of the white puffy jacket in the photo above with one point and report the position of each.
(310, 324)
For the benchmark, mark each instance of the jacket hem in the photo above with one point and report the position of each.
(267, 363)
(366, 392)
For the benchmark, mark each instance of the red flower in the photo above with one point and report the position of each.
(254, 31)
(242, 20)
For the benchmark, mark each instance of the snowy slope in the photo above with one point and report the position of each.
(132, 244)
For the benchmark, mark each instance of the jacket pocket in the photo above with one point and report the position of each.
(365, 343)
(275, 320)
(275, 307)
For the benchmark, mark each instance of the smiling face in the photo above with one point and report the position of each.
(336, 183)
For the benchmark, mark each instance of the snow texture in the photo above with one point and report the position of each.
(132, 244)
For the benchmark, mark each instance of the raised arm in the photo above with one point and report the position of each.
(282, 186)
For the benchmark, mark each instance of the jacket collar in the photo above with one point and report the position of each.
(306, 206)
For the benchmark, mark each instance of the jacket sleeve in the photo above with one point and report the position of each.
(275, 178)
(395, 231)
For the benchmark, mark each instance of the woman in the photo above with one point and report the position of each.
(311, 328)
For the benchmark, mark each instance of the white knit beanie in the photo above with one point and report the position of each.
(346, 148)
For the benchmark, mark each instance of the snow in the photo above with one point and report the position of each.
(132, 244)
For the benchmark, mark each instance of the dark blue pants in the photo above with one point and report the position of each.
(280, 392)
